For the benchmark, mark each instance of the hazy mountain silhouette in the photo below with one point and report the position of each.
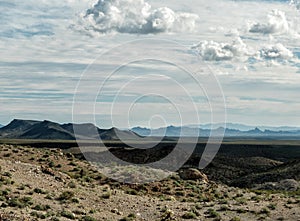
(190, 131)
(244, 127)
(28, 129)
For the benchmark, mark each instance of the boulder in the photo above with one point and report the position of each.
(192, 174)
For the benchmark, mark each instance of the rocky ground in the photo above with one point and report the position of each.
(48, 184)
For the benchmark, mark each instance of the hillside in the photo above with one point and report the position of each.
(49, 184)
(28, 129)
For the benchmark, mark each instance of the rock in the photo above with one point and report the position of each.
(192, 174)
(47, 170)
(168, 215)
(116, 211)
(288, 184)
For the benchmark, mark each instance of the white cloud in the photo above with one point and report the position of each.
(214, 51)
(135, 17)
(277, 51)
(238, 51)
(277, 23)
(296, 3)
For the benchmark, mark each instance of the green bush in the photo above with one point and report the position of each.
(66, 195)
(88, 218)
(67, 214)
(20, 202)
(213, 214)
(38, 190)
(41, 207)
(189, 215)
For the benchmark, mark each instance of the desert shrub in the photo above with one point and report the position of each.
(212, 213)
(256, 198)
(242, 201)
(67, 214)
(72, 184)
(223, 201)
(130, 217)
(38, 190)
(7, 154)
(51, 164)
(224, 208)
(5, 192)
(198, 206)
(180, 193)
(131, 192)
(5, 180)
(106, 195)
(189, 215)
(7, 174)
(88, 218)
(75, 200)
(264, 211)
(240, 210)
(38, 215)
(21, 187)
(20, 202)
(66, 195)
(41, 207)
(92, 211)
(49, 196)
(272, 206)
(87, 179)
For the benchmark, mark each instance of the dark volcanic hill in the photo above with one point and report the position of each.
(28, 129)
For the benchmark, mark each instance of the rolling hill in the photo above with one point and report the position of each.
(29, 129)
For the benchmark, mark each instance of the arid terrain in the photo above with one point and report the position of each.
(58, 184)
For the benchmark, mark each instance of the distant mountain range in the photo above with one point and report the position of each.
(192, 131)
(1, 125)
(29, 129)
(243, 127)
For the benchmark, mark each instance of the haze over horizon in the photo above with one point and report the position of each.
(229, 125)
(254, 54)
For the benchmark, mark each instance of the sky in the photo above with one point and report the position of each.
(150, 63)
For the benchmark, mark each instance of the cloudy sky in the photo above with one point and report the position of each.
(149, 62)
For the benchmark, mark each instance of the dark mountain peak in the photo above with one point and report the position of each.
(172, 127)
(112, 129)
(28, 129)
(257, 130)
(19, 124)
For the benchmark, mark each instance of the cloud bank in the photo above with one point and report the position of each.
(214, 51)
(277, 23)
(237, 50)
(136, 17)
